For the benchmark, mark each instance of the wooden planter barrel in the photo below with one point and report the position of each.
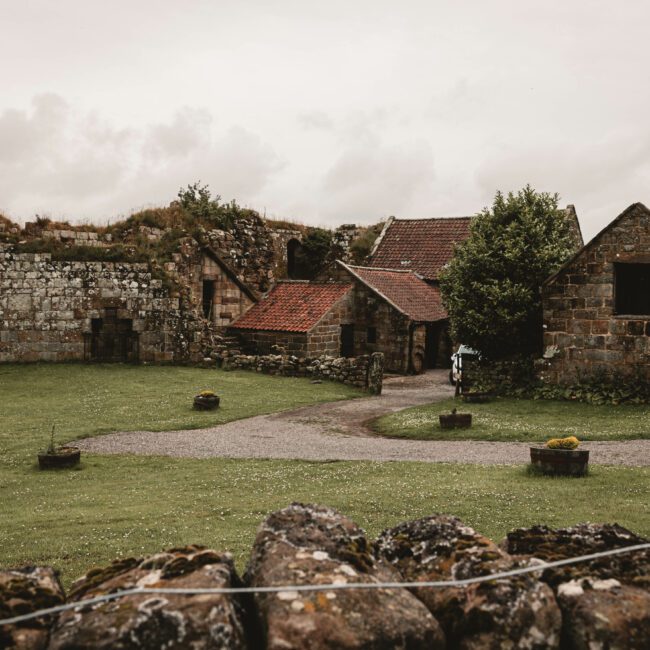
(560, 462)
(477, 398)
(456, 421)
(62, 457)
(206, 402)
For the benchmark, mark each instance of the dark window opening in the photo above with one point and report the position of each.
(112, 339)
(347, 340)
(371, 335)
(292, 248)
(208, 297)
(632, 289)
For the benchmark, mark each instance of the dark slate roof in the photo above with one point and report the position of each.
(404, 290)
(292, 306)
(420, 245)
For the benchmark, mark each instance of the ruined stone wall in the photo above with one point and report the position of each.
(78, 237)
(47, 308)
(281, 238)
(249, 249)
(583, 332)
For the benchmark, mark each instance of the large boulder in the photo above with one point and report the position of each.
(515, 612)
(23, 591)
(307, 544)
(605, 602)
(152, 621)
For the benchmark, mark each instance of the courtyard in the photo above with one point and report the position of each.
(126, 504)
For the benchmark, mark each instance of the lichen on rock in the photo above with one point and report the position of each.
(308, 544)
(23, 591)
(157, 621)
(514, 612)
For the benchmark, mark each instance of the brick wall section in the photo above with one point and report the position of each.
(579, 305)
(46, 309)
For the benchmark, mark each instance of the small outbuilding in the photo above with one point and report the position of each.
(351, 311)
(597, 306)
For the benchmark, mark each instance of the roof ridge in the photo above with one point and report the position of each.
(381, 268)
(433, 218)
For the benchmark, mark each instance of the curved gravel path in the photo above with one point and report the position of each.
(336, 431)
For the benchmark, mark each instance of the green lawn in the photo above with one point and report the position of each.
(84, 400)
(520, 420)
(125, 505)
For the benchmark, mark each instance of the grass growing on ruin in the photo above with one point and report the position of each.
(520, 420)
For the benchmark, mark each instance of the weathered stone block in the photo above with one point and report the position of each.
(517, 612)
(305, 544)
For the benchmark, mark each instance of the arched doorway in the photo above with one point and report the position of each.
(293, 248)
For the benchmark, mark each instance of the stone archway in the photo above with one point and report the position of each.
(293, 248)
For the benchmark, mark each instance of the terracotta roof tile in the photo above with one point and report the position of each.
(408, 292)
(420, 245)
(292, 306)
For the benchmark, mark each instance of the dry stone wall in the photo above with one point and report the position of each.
(49, 310)
(365, 372)
(602, 604)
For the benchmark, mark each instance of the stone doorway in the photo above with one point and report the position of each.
(347, 340)
(112, 339)
(431, 340)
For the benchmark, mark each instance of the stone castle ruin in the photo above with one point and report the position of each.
(161, 286)
(200, 280)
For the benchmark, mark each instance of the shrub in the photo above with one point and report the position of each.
(517, 378)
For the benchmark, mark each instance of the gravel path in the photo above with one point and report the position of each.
(336, 431)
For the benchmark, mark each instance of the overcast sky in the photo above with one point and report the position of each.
(326, 112)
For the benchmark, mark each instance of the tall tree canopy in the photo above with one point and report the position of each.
(491, 287)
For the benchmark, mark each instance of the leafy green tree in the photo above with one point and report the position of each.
(491, 287)
(310, 256)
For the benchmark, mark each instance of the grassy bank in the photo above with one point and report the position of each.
(520, 420)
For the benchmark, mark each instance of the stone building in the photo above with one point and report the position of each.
(420, 245)
(297, 317)
(597, 306)
(351, 311)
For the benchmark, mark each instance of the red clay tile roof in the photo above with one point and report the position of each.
(292, 307)
(420, 245)
(407, 292)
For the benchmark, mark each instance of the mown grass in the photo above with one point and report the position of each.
(115, 506)
(85, 400)
(520, 420)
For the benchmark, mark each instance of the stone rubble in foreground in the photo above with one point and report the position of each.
(600, 604)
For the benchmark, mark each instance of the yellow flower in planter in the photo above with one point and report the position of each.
(570, 442)
(207, 393)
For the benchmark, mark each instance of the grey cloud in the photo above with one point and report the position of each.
(368, 182)
(592, 176)
(316, 120)
(59, 161)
